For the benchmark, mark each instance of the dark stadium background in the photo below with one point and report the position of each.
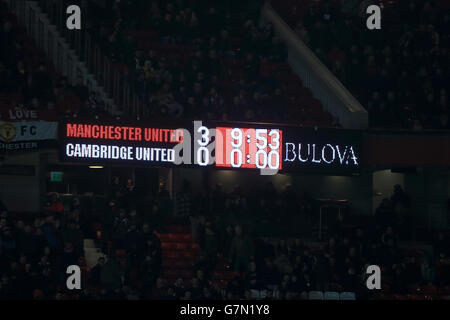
(164, 233)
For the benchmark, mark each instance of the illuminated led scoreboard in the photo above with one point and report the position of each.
(235, 146)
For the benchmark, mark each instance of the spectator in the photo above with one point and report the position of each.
(95, 275)
(110, 275)
(241, 251)
(55, 205)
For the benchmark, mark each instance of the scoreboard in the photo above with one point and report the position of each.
(271, 148)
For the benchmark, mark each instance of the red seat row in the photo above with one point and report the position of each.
(175, 237)
(179, 253)
(179, 246)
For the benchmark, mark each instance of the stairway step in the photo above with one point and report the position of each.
(175, 237)
(179, 246)
(173, 260)
(180, 254)
(178, 264)
(171, 281)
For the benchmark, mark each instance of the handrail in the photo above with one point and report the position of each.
(335, 97)
(106, 73)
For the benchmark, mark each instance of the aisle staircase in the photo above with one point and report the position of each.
(49, 40)
(180, 253)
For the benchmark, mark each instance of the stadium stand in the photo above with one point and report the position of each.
(28, 79)
(398, 73)
(192, 59)
(148, 254)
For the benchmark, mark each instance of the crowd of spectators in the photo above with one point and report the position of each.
(35, 254)
(202, 59)
(400, 72)
(289, 268)
(214, 69)
(35, 251)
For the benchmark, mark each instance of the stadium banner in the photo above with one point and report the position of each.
(24, 135)
(235, 146)
(22, 114)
